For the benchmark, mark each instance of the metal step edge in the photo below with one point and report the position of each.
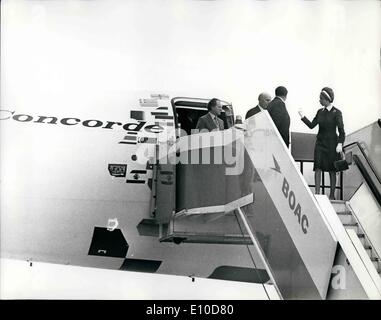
(344, 213)
(352, 224)
(338, 201)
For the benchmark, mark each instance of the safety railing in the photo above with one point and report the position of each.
(323, 186)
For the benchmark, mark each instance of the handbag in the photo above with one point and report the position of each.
(341, 165)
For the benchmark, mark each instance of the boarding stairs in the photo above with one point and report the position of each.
(350, 222)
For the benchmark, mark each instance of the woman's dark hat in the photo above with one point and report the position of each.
(328, 94)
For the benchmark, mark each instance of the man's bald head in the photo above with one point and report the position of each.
(264, 99)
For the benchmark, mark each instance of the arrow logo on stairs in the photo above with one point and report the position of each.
(276, 166)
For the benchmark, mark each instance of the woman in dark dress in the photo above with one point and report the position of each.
(329, 145)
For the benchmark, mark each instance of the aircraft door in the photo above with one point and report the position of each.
(164, 192)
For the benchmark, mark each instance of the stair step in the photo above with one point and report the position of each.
(351, 224)
(344, 212)
(354, 226)
(369, 252)
(368, 249)
(345, 218)
(376, 265)
(339, 206)
(362, 238)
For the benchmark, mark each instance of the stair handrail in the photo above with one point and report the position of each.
(357, 144)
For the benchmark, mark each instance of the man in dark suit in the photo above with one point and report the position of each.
(211, 121)
(278, 112)
(263, 101)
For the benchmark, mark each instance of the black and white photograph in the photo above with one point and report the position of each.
(193, 150)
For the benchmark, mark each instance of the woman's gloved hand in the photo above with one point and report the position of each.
(339, 148)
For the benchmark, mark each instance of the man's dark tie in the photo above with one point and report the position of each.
(217, 123)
